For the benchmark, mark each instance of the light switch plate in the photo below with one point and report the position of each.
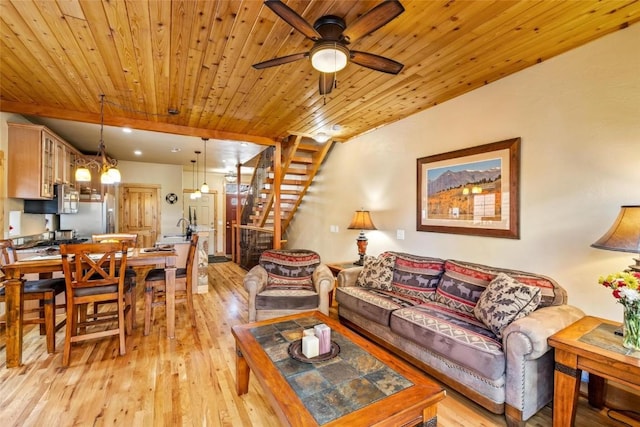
(400, 234)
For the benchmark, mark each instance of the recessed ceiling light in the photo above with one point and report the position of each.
(126, 130)
(176, 150)
(137, 153)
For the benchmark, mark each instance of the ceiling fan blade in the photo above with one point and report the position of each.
(280, 61)
(376, 62)
(327, 81)
(372, 20)
(292, 18)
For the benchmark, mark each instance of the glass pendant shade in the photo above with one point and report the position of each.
(83, 174)
(114, 173)
(204, 188)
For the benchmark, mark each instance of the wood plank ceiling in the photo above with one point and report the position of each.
(148, 57)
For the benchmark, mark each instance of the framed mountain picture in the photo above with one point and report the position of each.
(473, 191)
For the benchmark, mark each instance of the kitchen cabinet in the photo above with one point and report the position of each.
(30, 162)
(64, 163)
(38, 159)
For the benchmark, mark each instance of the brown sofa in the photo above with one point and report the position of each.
(431, 312)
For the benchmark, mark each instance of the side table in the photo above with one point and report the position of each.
(589, 344)
(337, 267)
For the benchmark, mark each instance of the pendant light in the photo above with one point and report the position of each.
(197, 193)
(205, 187)
(193, 179)
(104, 165)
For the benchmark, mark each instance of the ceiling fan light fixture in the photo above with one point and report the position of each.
(329, 57)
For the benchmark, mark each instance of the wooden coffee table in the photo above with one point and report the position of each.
(363, 385)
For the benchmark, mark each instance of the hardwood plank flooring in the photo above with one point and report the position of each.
(187, 381)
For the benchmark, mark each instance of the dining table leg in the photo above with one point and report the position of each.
(14, 299)
(170, 295)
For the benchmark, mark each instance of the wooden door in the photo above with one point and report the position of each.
(230, 218)
(138, 212)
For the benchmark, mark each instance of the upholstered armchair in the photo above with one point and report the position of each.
(286, 282)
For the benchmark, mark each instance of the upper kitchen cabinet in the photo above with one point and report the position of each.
(37, 159)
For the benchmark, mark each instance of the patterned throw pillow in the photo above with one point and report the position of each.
(416, 276)
(290, 269)
(377, 272)
(504, 301)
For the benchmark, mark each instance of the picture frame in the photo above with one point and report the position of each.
(473, 191)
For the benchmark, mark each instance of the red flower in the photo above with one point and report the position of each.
(606, 284)
(616, 294)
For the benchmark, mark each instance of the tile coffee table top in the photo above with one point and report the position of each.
(333, 388)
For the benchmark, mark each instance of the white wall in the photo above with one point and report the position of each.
(579, 119)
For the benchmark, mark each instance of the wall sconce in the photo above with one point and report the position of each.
(361, 221)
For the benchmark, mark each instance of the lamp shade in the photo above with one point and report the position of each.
(624, 234)
(361, 221)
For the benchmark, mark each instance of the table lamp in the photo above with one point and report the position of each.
(361, 221)
(624, 234)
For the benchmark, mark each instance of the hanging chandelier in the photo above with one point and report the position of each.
(205, 187)
(101, 162)
(197, 194)
(193, 179)
(231, 177)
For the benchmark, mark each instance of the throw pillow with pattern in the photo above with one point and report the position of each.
(377, 272)
(290, 269)
(504, 301)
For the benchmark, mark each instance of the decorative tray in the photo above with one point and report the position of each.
(295, 351)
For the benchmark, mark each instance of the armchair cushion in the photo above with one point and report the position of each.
(289, 269)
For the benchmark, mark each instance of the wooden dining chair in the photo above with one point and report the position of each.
(130, 275)
(155, 289)
(44, 291)
(94, 273)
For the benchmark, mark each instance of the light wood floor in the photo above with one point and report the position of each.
(187, 381)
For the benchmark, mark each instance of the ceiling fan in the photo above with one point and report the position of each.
(331, 36)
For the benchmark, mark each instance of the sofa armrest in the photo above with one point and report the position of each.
(530, 364)
(323, 279)
(255, 280)
(540, 325)
(348, 276)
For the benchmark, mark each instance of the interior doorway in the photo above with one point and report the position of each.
(203, 212)
(231, 208)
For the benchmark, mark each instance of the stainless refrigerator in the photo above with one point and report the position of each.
(92, 218)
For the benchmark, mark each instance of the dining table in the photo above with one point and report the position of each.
(140, 259)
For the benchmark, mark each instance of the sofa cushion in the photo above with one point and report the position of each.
(462, 284)
(416, 276)
(504, 301)
(290, 269)
(458, 337)
(287, 299)
(377, 272)
(373, 304)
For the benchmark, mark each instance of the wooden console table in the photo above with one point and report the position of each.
(590, 345)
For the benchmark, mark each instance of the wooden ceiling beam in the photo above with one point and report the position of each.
(148, 125)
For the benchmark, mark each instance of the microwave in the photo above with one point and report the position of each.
(65, 201)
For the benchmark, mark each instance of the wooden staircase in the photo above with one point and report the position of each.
(301, 160)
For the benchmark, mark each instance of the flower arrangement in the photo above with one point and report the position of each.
(625, 288)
